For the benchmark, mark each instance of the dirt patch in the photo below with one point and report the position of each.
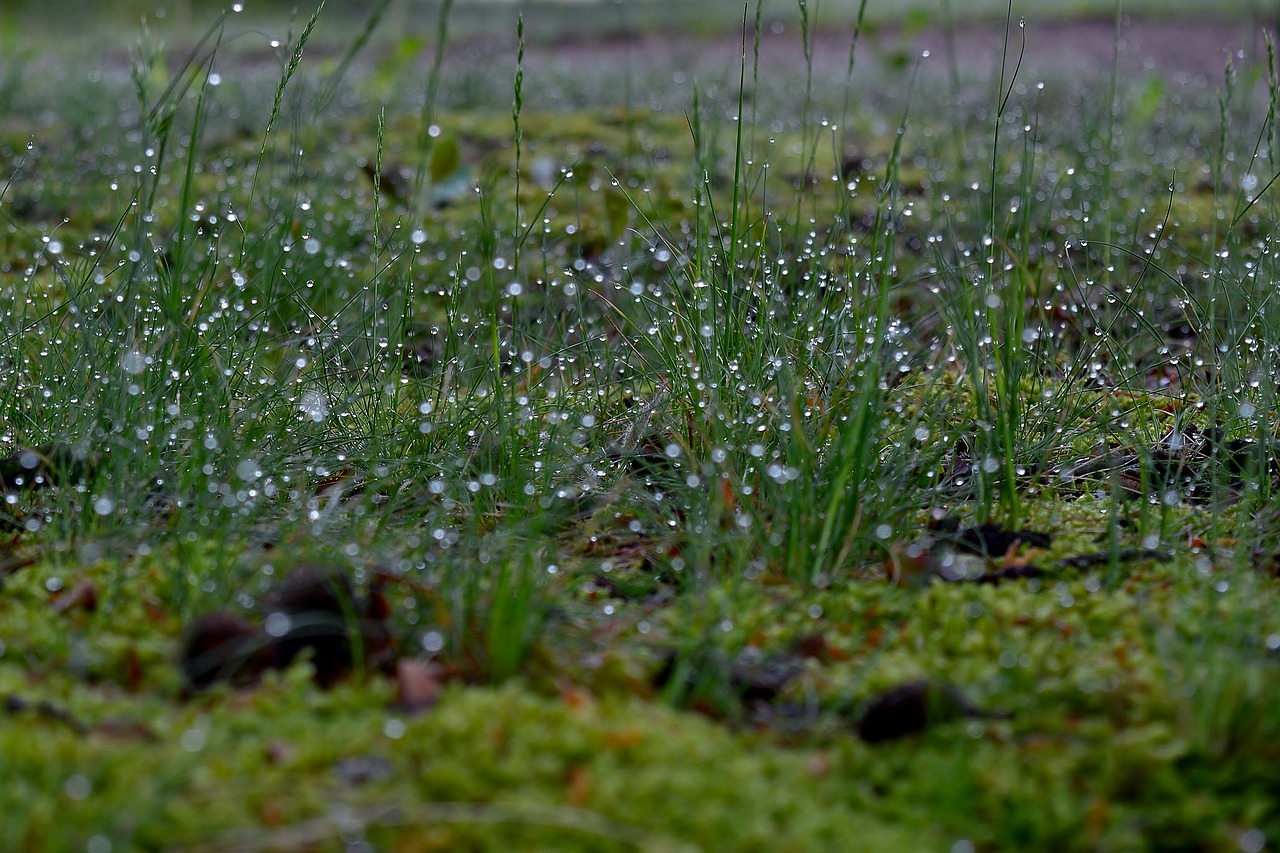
(1183, 51)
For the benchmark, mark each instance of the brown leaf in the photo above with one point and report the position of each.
(16, 705)
(315, 608)
(11, 563)
(222, 646)
(132, 669)
(123, 729)
(359, 770)
(279, 752)
(418, 685)
(272, 814)
(82, 596)
(817, 647)
(908, 564)
(37, 467)
(994, 540)
(912, 707)
(579, 785)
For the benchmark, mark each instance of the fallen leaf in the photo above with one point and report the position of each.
(132, 669)
(359, 770)
(280, 752)
(124, 729)
(82, 596)
(15, 705)
(759, 677)
(48, 465)
(994, 540)
(909, 564)
(912, 707)
(316, 609)
(418, 685)
(579, 785)
(816, 647)
(573, 695)
(621, 739)
(222, 646)
(272, 814)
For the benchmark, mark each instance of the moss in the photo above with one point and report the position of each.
(587, 413)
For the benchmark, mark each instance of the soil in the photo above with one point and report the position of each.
(1184, 51)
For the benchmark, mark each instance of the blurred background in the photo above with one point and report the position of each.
(604, 44)
(560, 19)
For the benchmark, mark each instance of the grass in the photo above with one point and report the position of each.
(667, 446)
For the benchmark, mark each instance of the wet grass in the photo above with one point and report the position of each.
(896, 463)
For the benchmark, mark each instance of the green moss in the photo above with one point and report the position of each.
(591, 472)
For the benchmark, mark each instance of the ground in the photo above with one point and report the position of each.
(525, 454)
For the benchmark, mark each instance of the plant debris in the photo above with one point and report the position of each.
(752, 677)
(15, 705)
(221, 646)
(82, 596)
(314, 610)
(994, 540)
(40, 467)
(912, 707)
(418, 684)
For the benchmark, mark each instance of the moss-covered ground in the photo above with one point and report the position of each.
(522, 452)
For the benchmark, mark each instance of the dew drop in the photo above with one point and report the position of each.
(133, 362)
(277, 624)
(77, 787)
(314, 405)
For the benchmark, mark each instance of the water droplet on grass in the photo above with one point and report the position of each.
(133, 362)
(277, 624)
(248, 470)
(314, 405)
(1252, 841)
(77, 787)
(193, 740)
